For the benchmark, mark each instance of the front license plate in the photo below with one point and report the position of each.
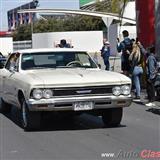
(80, 106)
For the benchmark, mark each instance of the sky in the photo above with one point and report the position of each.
(6, 5)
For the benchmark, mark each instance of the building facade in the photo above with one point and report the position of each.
(15, 19)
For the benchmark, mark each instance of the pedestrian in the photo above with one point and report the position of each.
(125, 47)
(105, 53)
(151, 65)
(64, 44)
(136, 58)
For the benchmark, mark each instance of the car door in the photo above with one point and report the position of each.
(2, 74)
(9, 81)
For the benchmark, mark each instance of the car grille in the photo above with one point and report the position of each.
(81, 91)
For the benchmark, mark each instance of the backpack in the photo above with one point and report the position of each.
(128, 46)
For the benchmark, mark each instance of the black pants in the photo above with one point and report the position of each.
(151, 90)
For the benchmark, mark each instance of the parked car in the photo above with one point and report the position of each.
(63, 80)
(2, 61)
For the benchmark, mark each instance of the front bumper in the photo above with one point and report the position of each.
(66, 103)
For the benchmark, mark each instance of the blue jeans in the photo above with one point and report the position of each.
(136, 79)
(106, 62)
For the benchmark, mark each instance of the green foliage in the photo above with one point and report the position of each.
(104, 6)
(112, 6)
(74, 23)
(23, 32)
(116, 6)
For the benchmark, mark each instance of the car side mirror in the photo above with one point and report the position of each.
(99, 66)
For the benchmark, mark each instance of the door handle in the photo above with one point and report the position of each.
(4, 77)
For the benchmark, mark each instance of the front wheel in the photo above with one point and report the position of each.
(4, 107)
(112, 116)
(30, 120)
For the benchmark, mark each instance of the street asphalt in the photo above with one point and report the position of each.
(85, 138)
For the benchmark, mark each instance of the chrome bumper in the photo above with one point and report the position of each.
(66, 103)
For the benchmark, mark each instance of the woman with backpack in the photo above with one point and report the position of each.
(135, 60)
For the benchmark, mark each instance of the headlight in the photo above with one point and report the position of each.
(116, 90)
(47, 93)
(125, 89)
(37, 93)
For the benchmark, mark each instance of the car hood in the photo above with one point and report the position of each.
(78, 76)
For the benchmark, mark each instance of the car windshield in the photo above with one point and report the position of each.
(56, 60)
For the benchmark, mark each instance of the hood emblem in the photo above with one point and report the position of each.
(84, 91)
(80, 75)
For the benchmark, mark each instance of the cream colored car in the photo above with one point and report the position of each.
(64, 80)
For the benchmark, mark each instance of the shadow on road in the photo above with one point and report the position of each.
(138, 102)
(154, 110)
(56, 122)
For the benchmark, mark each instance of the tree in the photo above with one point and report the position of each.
(23, 32)
(112, 6)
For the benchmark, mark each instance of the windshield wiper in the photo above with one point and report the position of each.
(40, 68)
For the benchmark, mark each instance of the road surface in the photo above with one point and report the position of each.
(84, 139)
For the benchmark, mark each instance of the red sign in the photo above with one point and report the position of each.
(5, 33)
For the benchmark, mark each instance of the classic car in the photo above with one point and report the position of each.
(63, 80)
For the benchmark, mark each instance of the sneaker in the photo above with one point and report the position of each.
(137, 99)
(150, 104)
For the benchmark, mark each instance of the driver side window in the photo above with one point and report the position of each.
(13, 62)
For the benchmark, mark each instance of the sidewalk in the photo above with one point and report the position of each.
(144, 99)
(116, 63)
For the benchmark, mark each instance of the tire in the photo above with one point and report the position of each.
(69, 117)
(29, 120)
(112, 117)
(4, 107)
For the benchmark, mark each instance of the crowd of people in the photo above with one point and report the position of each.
(135, 62)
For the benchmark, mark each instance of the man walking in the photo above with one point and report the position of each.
(151, 76)
(105, 53)
(126, 48)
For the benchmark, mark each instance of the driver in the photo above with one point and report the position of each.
(14, 59)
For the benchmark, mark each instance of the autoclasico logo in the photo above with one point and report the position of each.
(149, 154)
(144, 154)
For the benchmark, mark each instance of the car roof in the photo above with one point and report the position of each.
(50, 50)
